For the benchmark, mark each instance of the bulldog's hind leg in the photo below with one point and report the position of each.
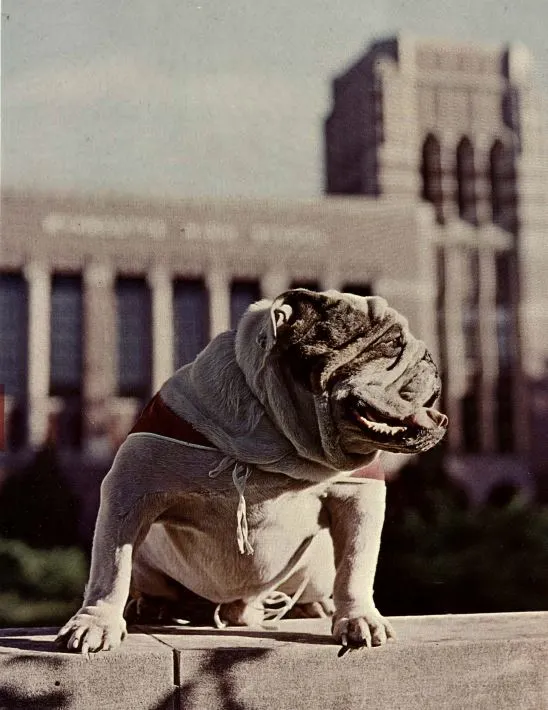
(322, 609)
(317, 574)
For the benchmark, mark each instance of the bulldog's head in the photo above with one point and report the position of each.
(381, 383)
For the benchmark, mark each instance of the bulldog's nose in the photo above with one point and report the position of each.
(428, 418)
(438, 418)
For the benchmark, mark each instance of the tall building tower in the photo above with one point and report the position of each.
(457, 126)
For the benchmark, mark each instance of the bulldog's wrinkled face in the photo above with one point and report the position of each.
(381, 381)
(389, 403)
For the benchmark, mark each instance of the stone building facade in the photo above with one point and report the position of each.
(104, 298)
(459, 126)
(437, 182)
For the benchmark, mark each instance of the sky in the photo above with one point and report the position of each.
(210, 98)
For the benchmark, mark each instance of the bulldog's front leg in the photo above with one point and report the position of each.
(125, 515)
(356, 520)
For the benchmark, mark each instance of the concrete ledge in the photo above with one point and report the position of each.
(480, 661)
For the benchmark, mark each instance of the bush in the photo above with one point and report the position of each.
(440, 555)
(37, 504)
(39, 586)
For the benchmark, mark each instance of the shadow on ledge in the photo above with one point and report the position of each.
(14, 698)
(215, 672)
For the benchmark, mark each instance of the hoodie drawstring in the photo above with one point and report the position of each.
(240, 473)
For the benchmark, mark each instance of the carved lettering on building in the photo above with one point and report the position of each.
(117, 226)
(209, 231)
(291, 234)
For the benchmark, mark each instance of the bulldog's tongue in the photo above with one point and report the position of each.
(427, 418)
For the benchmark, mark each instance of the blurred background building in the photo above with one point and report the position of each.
(459, 126)
(437, 182)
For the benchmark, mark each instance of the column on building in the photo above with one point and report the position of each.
(218, 287)
(39, 299)
(274, 282)
(332, 278)
(453, 345)
(488, 347)
(99, 387)
(161, 285)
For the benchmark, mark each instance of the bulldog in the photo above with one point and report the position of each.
(250, 481)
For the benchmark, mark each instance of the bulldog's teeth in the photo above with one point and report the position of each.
(381, 427)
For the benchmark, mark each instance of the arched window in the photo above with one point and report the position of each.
(432, 189)
(466, 181)
(502, 175)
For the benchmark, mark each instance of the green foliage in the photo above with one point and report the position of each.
(37, 504)
(440, 555)
(39, 586)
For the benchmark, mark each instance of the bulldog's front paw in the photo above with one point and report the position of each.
(93, 628)
(371, 629)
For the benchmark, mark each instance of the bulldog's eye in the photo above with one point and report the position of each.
(262, 340)
(397, 346)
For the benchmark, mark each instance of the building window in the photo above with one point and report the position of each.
(511, 113)
(134, 338)
(242, 295)
(505, 412)
(506, 327)
(66, 336)
(470, 323)
(66, 366)
(191, 314)
(13, 354)
(466, 181)
(507, 352)
(310, 285)
(470, 415)
(471, 402)
(502, 173)
(432, 188)
(505, 338)
(470, 311)
(358, 289)
(13, 335)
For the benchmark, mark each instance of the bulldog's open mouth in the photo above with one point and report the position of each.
(375, 423)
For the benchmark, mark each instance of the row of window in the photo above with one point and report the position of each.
(133, 337)
(506, 329)
(500, 172)
(134, 329)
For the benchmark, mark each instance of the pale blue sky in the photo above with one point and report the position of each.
(221, 98)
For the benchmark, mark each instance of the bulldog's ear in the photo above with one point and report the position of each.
(280, 315)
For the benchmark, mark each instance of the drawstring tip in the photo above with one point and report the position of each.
(245, 547)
